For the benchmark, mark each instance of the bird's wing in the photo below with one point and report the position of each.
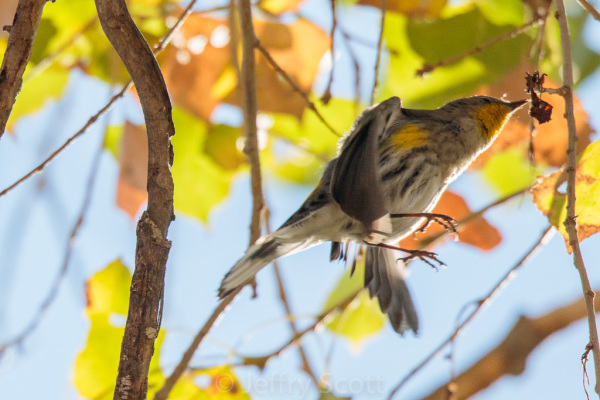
(355, 181)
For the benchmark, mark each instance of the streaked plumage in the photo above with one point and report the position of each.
(392, 161)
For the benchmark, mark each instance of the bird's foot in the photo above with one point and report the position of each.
(423, 255)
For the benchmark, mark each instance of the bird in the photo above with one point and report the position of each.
(391, 168)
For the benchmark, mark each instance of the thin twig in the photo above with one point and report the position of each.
(327, 94)
(81, 131)
(570, 221)
(250, 111)
(501, 284)
(510, 356)
(51, 296)
(158, 48)
(289, 314)
(170, 382)
(378, 57)
(293, 84)
(18, 51)
(427, 68)
(590, 9)
(356, 66)
(262, 360)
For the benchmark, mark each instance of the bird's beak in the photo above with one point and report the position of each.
(517, 104)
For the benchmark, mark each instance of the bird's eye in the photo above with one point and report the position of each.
(487, 100)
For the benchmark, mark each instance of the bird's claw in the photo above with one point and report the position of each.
(446, 222)
(423, 255)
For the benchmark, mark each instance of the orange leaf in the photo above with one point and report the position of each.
(133, 175)
(297, 49)
(478, 232)
(196, 58)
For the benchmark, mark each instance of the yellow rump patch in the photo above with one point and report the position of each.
(408, 137)
(491, 118)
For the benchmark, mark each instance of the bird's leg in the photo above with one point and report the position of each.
(422, 255)
(446, 221)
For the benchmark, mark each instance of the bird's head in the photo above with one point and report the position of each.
(489, 113)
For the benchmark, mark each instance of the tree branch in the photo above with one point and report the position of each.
(543, 238)
(250, 111)
(16, 57)
(510, 356)
(378, 57)
(590, 9)
(570, 221)
(152, 250)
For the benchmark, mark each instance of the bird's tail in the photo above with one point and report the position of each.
(384, 277)
(265, 250)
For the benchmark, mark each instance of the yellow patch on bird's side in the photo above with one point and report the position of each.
(408, 137)
(491, 118)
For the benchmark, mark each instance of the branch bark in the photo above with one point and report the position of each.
(510, 356)
(152, 250)
(250, 111)
(16, 57)
(570, 221)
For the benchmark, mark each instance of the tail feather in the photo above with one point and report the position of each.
(257, 256)
(384, 278)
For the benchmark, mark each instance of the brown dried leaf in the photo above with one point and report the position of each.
(478, 232)
(133, 175)
(550, 142)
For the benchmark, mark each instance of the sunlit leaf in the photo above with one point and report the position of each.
(503, 12)
(362, 317)
(37, 91)
(509, 171)
(427, 42)
(221, 145)
(429, 8)
(96, 366)
(551, 199)
(200, 183)
(279, 6)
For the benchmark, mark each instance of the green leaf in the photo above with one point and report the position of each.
(108, 290)
(200, 183)
(303, 147)
(37, 91)
(419, 42)
(112, 140)
(361, 318)
(508, 171)
(503, 12)
(45, 33)
(221, 145)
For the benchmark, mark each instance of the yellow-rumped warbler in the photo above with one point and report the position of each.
(392, 164)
